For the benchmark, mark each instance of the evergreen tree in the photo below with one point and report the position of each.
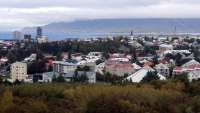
(155, 60)
(151, 75)
(54, 79)
(75, 77)
(17, 82)
(60, 78)
(50, 68)
(11, 57)
(1, 79)
(196, 53)
(59, 57)
(134, 55)
(178, 59)
(83, 77)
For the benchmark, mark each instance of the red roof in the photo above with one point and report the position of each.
(198, 66)
(191, 66)
(113, 56)
(124, 65)
(161, 51)
(46, 54)
(162, 61)
(119, 65)
(148, 64)
(178, 68)
(1, 61)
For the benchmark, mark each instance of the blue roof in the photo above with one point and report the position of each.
(71, 61)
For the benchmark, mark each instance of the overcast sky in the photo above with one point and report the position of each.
(16, 14)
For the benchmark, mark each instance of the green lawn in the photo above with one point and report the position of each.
(6, 77)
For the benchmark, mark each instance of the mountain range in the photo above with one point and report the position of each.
(185, 25)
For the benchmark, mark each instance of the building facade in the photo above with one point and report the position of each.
(17, 35)
(63, 67)
(39, 32)
(162, 69)
(18, 71)
(118, 68)
(27, 37)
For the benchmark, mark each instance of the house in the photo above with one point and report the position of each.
(63, 67)
(137, 67)
(91, 76)
(119, 68)
(192, 68)
(162, 69)
(148, 64)
(30, 58)
(194, 75)
(139, 75)
(165, 47)
(99, 68)
(18, 71)
(135, 44)
(47, 77)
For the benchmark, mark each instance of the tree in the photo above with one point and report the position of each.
(1, 79)
(54, 79)
(183, 78)
(7, 101)
(75, 76)
(196, 53)
(83, 77)
(17, 82)
(99, 76)
(60, 78)
(50, 68)
(134, 55)
(155, 60)
(11, 57)
(178, 59)
(151, 75)
(59, 57)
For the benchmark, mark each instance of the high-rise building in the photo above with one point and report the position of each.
(17, 35)
(39, 32)
(18, 71)
(27, 37)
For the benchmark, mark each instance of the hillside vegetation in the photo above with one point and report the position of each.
(155, 97)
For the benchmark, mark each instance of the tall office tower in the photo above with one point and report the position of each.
(39, 32)
(17, 35)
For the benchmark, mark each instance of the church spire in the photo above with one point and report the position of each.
(131, 32)
(175, 32)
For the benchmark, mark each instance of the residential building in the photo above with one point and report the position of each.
(47, 77)
(119, 68)
(162, 69)
(63, 67)
(17, 35)
(90, 75)
(139, 75)
(99, 68)
(18, 71)
(194, 75)
(165, 47)
(135, 44)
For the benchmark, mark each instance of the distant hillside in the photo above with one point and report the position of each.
(125, 25)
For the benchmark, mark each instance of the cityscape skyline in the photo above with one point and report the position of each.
(24, 13)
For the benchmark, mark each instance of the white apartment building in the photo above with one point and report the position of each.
(162, 69)
(165, 47)
(18, 71)
(17, 35)
(63, 67)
